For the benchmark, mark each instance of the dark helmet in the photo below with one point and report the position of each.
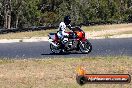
(67, 20)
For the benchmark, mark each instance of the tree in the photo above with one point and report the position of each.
(7, 14)
(25, 13)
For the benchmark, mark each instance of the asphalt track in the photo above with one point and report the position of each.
(101, 47)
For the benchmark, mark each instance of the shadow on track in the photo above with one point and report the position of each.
(68, 53)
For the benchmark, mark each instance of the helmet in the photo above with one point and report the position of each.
(67, 20)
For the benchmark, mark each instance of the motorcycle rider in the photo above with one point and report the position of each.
(63, 36)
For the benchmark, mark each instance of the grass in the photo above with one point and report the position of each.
(105, 27)
(45, 33)
(112, 34)
(60, 73)
(22, 35)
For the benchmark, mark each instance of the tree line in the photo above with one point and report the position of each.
(27, 13)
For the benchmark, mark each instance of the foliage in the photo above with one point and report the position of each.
(26, 13)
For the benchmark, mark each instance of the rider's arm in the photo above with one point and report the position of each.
(70, 27)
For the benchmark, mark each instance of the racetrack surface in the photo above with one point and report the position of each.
(101, 47)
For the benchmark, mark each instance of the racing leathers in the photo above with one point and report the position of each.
(63, 36)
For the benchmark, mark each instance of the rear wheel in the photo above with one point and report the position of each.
(85, 47)
(55, 49)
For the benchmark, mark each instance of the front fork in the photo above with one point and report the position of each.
(81, 42)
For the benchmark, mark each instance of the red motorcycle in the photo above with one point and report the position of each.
(76, 41)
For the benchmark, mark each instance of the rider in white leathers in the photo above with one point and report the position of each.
(63, 36)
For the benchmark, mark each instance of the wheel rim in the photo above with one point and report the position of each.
(85, 47)
(54, 49)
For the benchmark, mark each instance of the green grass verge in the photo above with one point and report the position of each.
(60, 73)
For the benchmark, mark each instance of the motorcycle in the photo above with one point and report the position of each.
(76, 41)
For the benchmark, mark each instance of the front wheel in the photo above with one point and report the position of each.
(85, 46)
